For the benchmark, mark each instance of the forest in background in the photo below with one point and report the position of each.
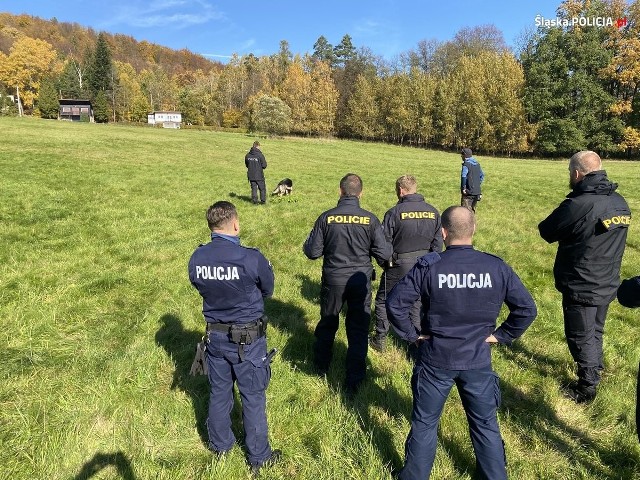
(564, 88)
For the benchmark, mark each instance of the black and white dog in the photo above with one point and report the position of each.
(284, 188)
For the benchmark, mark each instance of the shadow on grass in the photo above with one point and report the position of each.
(244, 198)
(299, 352)
(100, 461)
(532, 413)
(180, 345)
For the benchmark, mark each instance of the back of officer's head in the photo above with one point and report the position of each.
(220, 215)
(351, 185)
(459, 223)
(407, 183)
(585, 162)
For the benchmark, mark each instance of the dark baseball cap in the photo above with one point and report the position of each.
(467, 152)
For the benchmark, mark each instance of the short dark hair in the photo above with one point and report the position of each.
(220, 213)
(460, 222)
(256, 143)
(351, 184)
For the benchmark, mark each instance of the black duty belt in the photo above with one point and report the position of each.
(416, 254)
(241, 333)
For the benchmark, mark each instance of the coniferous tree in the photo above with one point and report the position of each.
(48, 102)
(323, 51)
(100, 71)
(101, 110)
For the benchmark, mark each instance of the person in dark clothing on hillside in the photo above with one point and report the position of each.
(590, 226)
(629, 296)
(413, 228)
(346, 236)
(471, 178)
(256, 163)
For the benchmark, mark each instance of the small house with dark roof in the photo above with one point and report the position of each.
(75, 110)
(166, 119)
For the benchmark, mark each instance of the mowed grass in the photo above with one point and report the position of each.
(100, 322)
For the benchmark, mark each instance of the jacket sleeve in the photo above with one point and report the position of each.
(266, 278)
(629, 292)
(559, 224)
(404, 295)
(192, 270)
(522, 309)
(314, 244)
(263, 161)
(389, 225)
(436, 243)
(380, 249)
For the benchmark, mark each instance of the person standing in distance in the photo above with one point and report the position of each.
(413, 227)
(347, 237)
(256, 163)
(590, 226)
(233, 281)
(471, 178)
(462, 291)
(629, 296)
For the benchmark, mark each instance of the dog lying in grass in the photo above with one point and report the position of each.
(284, 188)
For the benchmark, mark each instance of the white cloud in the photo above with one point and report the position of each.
(175, 14)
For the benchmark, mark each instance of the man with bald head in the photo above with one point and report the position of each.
(462, 291)
(590, 226)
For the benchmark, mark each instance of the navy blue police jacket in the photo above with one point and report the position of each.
(629, 292)
(347, 237)
(233, 280)
(462, 291)
(413, 225)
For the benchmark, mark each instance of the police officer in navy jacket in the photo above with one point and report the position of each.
(233, 281)
(590, 226)
(462, 291)
(629, 296)
(347, 237)
(413, 228)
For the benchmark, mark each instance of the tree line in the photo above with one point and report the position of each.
(566, 88)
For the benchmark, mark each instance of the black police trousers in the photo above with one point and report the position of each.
(388, 280)
(584, 328)
(357, 295)
(255, 186)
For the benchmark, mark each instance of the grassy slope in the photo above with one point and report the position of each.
(97, 225)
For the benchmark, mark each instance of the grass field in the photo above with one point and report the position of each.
(99, 319)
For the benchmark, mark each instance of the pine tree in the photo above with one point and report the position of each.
(100, 71)
(323, 51)
(101, 109)
(48, 102)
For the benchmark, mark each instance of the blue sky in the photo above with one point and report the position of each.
(218, 29)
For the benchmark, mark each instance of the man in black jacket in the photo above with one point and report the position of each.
(413, 228)
(347, 237)
(590, 226)
(256, 163)
(629, 296)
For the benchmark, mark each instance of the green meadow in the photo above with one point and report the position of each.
(100, 322)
